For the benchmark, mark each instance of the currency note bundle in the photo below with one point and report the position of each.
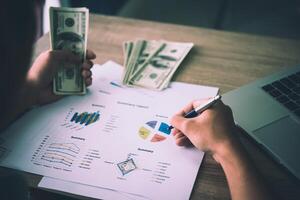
(151, 64)
(68, 31)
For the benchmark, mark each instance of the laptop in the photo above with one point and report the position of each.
(269, 111)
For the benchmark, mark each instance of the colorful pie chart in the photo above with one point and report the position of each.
(154, 131)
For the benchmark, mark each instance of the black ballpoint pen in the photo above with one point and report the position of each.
(195, 112)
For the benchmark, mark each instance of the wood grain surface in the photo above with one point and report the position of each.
(222, 59)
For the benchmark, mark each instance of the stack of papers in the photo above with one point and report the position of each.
(113, 143)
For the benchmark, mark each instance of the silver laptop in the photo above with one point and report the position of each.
(269, 111)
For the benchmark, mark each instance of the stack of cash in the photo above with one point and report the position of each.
(151, 64)
(68, 31)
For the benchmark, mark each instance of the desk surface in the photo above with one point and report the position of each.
(222, 59)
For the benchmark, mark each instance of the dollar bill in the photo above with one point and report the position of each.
(152, 64)
(142, 51)
(69, 31)
(134, 53)
(127, 49)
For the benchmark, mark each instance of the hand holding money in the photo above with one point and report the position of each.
(68, 31)
(151, 64)
(39, 79)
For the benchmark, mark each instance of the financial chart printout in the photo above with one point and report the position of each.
(113, 137)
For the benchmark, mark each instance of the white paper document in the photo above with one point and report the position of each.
(86, 190)
(114, 138)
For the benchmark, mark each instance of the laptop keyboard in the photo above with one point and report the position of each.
(286, 91)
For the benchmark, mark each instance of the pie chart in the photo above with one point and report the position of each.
(154, 131)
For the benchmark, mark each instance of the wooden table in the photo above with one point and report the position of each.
(222, 59)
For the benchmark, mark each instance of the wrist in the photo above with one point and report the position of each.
(227, 150)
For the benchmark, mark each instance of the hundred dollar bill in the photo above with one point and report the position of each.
(158, 70)
(136, 55)
(127, 49)
(68, 30)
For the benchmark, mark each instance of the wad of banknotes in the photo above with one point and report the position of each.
(69, 31)
(151, 64)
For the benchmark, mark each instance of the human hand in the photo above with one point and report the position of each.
(213, 131)
(39, 80)
(209, 131)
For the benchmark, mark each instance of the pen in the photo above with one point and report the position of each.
(201, 108)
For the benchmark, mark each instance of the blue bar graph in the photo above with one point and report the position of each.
(85, 118)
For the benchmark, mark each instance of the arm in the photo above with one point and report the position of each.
(243, 179)
(18, 104)
(37, 88)
(213, 131)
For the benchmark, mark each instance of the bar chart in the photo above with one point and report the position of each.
(78, 120)
(85, 118)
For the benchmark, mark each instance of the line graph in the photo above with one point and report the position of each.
(67, 147)
(63, 153)
(57, 158)
(56, 154)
